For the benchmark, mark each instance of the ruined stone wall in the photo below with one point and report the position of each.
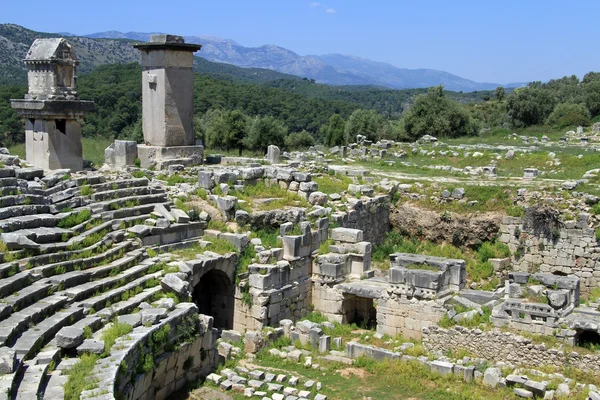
(370, 215)
(399, 315)
(328, 301)
(189, 361)
(280, 292)
(508, 347)
(571, 250)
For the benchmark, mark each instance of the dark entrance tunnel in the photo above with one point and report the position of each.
(587, 339)
(214, 296)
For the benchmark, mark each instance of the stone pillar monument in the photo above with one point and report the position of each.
(168, 103)
(52, 109)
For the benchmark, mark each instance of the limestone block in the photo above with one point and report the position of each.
(491, 377)
(273, 154)
(317, 198)
(442, 367)
(206, 180)
(172, 283)
(91, 346)
(8, 359)
(69, 337)
(347, 235)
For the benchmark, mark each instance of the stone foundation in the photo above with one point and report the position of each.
(499, 346)
(572, 250)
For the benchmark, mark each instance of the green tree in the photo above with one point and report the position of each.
(530, 106)
(213, 126)
(591, 97)
(265, 131)
(334, 131)
(226, 130)
(363, 122)
(299, 140)
(566, 114)
(435, 114)
(500, 93)
(12, 128)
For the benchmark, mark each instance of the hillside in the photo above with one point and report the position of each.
(333, 69)
(15, 40)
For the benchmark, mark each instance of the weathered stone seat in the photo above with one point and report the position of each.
(98, 302)
(85, 290)
(19, 321)
(38, 335)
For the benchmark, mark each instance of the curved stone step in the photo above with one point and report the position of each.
(82, 263)
(109, 205)
(86, 290)
(19, 321)
(40, 334)
(22, 210)
(99, 302)
(27, 295)
(120, 184)
(121, 193)
(32, 377)
(29, 222)
(106, 370)
(13, 283)
(127, 306)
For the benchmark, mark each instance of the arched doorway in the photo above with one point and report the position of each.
(588, 339)
(214, 296)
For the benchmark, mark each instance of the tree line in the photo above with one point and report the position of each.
(234, 115)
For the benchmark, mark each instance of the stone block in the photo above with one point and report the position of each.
(491, 377)
(69, 337)
(442, 367)
(347, 235)
(273, 154)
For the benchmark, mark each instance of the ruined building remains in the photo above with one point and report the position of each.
(52, 109)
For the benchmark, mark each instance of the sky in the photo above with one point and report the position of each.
(485, 40)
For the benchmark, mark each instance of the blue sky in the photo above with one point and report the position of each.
(485, 40)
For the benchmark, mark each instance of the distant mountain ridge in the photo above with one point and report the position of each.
(333, 69)
(15, 40)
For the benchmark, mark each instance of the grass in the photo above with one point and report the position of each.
(79, 377)
(324, 246)
(217, 225)
(478, 265)
(75, 219)
(333, 184)
(221, 246)
(282, 197)
(386, 380)
(111, 334)
(268, 237)
(422, 267)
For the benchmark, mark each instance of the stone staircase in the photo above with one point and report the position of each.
(74, 255)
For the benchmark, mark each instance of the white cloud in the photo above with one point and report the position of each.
(314, 4)
(330, 11)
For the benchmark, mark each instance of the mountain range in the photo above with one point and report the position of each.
(333, 69)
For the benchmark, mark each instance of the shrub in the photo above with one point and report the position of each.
(565, 114)
(110, 335)
(75, 219)
(79, 377)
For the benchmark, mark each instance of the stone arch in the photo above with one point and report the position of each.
(214, 296)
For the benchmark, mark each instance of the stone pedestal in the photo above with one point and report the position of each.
(51, 108)
(121, 153)
(168, 103)
(53, 132)
(159, 157)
